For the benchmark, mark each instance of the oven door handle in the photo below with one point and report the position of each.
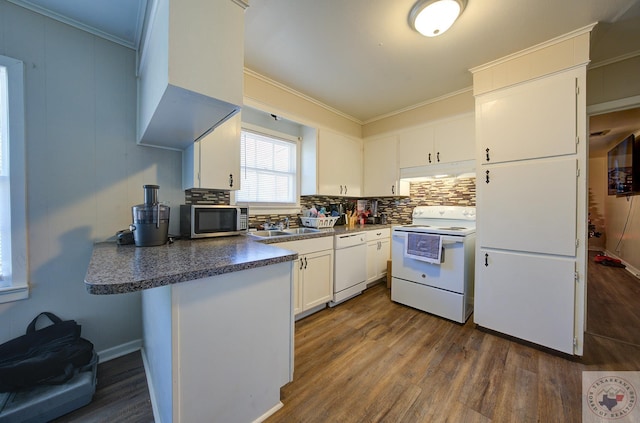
(445, 240)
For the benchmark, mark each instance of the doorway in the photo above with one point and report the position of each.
(614, 229)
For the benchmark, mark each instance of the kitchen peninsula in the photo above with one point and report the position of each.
(217, 323)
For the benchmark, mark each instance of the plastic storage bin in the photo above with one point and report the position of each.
(46, 402)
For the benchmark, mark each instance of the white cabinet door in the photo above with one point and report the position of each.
(415, 147)
(455, 139)
(220, 157)
(378, 252)
(529, 206)
(444, 141)
(214, 161)
(313, 272)
(532, 120)
(298, 268)
(339, 164)
(372, 260)
(527, 296)
(381, 176)
(384, 254)
(317, 287)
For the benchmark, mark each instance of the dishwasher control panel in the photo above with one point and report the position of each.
(349, 240)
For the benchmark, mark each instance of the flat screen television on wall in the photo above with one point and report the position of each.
(624, 167)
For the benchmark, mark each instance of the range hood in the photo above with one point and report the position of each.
(465, 168)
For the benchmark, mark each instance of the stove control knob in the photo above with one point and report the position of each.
(424, 276)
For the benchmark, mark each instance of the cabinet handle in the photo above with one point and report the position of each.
(305, 262)
(429, 157)
(301, 263)
(230, 180)
(393, 189)
(340, 189)
(487, 176)
(486, 259)
(438, 156)
(487, 150)
(345, 190)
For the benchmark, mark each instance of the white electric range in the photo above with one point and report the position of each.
(433, 261)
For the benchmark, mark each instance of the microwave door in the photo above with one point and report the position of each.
(216, 220)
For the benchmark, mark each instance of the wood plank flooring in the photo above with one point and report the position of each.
(122, 395)
(613, 301)
(371, 360)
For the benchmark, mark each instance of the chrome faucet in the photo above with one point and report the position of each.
(286, 222)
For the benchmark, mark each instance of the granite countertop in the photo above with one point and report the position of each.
(118, 269)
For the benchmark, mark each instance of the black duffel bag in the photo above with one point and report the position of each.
(49, 355)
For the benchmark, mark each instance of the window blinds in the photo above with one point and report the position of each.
(268, 167)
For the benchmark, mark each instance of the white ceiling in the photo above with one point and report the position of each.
(361, 58)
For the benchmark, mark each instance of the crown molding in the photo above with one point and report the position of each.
(305, 97)
(87, 28)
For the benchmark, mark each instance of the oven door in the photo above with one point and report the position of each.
(449, 274)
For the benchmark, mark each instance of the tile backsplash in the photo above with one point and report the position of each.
(207, 196)
(445, 192)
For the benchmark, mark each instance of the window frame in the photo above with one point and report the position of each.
(16, 286)
(273, 208)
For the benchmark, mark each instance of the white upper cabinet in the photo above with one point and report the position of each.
(191, 70)
(415, 147)
(455, 139)
(331, 164)
(213, 162)
(381, 173)
(444, 141)
(529, 121)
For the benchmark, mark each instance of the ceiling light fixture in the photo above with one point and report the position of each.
(433, 17)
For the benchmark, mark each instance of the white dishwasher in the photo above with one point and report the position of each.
(350, 266)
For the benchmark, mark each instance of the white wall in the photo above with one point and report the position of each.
(84, 171)
(621, 212)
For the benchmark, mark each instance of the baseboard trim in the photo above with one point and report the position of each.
(119, 350)
(635, 272)
(152, 392)
(268, 414)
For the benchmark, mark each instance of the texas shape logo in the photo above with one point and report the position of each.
(611, 397)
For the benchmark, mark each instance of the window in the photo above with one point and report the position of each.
(268, 167)
(13, 251)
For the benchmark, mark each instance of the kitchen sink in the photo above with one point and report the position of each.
(269, 234)
(284, 232)
(297, 231)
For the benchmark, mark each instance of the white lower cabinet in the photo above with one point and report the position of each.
(527, 296)
(378, 253)
(313, 272)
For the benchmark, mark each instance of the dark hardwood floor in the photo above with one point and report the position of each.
(121, 394)
(371, 360)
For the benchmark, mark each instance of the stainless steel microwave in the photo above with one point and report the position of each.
(206, 221)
